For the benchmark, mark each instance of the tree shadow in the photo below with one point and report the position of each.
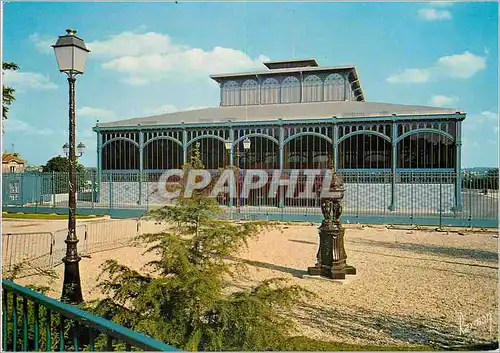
(302, 241)
(431, 260)
(293, 271)
(475, 274)
(359, 323)
(475, 254)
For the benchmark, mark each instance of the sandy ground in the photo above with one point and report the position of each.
(22, 225)
(411, 286)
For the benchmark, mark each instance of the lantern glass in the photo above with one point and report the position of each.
(71, 59)
(71, 53)
(246, 144)
(80, 149)
(66, 149)
(228, 145)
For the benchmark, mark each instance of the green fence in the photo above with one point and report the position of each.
(440, 198)
(34, 322)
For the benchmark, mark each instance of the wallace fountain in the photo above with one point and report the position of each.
(331, 257)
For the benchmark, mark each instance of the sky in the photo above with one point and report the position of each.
(153, 58)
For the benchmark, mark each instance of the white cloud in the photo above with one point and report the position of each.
(153, 57)
(410, 76)
(188, 64)
(443, 101)
(490, 116)
(43, 44)
(26, 80)
(146, 57)
(485, 120)
(97, 113)
(134, 44)
(429, 14)
(461, 66)
(22, 127)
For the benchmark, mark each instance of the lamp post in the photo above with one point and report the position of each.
(80, 150)
(228, 145)
(331, 256)
(226, 199)
(71, 54)
(246, 147)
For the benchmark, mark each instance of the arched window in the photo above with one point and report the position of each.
(250, 92)
(120, 155)
(290, 90)
(334, 88)
(212, 152)
(270, 92)
(307, 152)
(425, 150)
(162, 154)
(364, 151)
(230, 93)
(313, 89)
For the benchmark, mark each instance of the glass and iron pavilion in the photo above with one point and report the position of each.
(294, 115)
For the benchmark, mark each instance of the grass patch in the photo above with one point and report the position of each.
(309, 344)
(43, 216)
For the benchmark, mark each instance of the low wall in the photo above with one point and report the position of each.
(417, 198)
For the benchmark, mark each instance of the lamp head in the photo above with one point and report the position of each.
(71, 53)
(65, 148)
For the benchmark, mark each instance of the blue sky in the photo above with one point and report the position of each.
(150, 58)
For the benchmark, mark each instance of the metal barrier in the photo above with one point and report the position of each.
(108, 234)
(34, 322)
(408, 197)
(28, 252)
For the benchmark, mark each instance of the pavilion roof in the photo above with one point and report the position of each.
(270, 112)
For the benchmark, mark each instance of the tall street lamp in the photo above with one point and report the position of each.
(71, 54)
(246, 146)
(80, 149)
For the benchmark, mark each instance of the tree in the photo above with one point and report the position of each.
(179, 297)
(61, 164)
(60, 167)
(8, 92)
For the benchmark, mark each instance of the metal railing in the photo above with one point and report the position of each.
(34, 322)
(27, 251)
(30, 252)
(410, 196)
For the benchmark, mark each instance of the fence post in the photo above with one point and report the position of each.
(53, 190)
(281, 201)
(357, 194)
(92, 180)
(412, 181)
(394, 146)
(470, 202)
(141, 162)
(6, 244)
(110, 192)
(441, 201)
(51, 253)
(458, 166)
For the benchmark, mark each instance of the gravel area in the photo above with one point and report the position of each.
(411, 286)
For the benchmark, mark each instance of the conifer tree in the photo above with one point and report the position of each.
(180, 297)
